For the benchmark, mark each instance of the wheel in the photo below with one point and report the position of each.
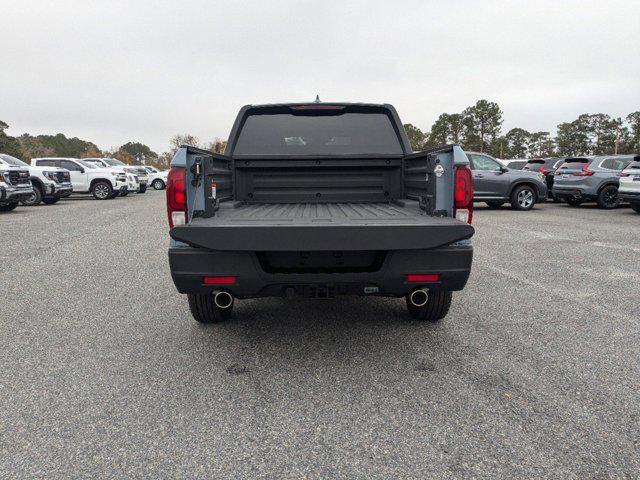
(124, 194)
(116, 194)
(574, 202)
(158, 184)
(8, 207)
(608, 197)
(523, 197)
(66, 194)
(34, 199)
(636, 207)
(143, 188)
(102, 190)
(50, 200)
(435, 309)
(495, 204)
(205, 311)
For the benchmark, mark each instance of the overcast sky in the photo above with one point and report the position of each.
(112, 72)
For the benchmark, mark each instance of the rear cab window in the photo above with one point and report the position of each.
(46, 163)
(313, 131)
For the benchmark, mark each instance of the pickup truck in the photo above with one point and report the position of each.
(15, 186)
(86, 177)
(142, 176)
(319, 200)
(49, 183)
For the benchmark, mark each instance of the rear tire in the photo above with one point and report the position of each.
(574, 202)
(608, 197)
(158, 184)
(495, 204)
(102, 190)
(636, 207)
(9, 207)
(51, 200)
(124, 194)
(436, 308)
(204, 310)
(143, 188)
(33, 200)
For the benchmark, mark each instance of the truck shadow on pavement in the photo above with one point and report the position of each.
(301, 333)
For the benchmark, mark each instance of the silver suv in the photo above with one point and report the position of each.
(590, 179)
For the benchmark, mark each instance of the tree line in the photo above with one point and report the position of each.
(476, 128)
(28, 146)
(479, 128)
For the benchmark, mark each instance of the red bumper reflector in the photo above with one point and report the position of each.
(220, 280)
(422, 278)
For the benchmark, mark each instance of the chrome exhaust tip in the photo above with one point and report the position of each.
(419, 297)
(222, 299)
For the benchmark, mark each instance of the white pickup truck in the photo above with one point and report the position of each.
(49, 183)
(139, 171)
(102, 183)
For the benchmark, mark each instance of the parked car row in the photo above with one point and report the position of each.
(48, 179)
(607, 180)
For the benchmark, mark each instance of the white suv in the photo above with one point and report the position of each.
(102, 183)
(49, 183)
(157, 179)
(629, 189)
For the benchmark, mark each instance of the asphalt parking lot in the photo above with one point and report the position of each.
(535, 372)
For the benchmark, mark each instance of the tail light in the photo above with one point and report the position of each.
(585, 171)
(463, 184)
(625, 174)
(177, 196)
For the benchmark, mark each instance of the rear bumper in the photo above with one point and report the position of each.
(190, 265)
(577, 193)
(629, 196)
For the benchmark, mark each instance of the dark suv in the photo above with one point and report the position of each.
(496, 184)
(547, 167)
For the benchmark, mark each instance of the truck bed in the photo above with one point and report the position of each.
(399, 225)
